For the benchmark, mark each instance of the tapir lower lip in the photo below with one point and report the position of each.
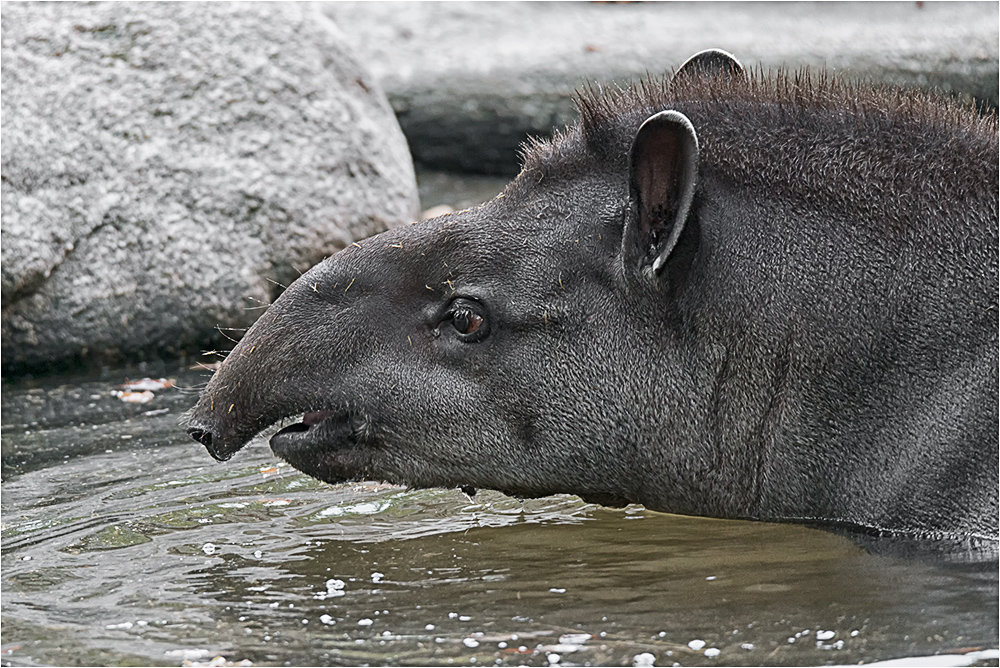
(297, 441)
(325, 445)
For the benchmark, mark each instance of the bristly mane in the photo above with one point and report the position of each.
(812, 136)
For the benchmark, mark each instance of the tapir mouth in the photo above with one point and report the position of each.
(309, 420)
(312, 427)
(326, 444)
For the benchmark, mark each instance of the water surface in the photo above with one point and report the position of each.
(125, 543)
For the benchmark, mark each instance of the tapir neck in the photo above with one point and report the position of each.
(833, 391)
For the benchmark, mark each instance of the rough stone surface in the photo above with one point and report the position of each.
(469, 81)
(164, 162)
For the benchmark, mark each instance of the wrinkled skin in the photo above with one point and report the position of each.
(416, 402)
(648, 331)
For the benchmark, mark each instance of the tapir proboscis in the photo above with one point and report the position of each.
(729, 294)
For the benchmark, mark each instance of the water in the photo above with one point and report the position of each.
(124, 543)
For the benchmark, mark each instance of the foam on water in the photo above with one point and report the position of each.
(120, 552)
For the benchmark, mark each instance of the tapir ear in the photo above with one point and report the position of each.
(663, 171)
(714, 63)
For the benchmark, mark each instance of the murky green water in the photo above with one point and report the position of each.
(125, 543)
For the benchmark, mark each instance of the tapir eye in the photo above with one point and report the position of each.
(468, 320)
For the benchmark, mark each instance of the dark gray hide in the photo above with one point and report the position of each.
(761, 297)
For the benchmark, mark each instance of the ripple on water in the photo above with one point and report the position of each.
(152, 553)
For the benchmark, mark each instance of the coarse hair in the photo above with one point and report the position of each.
(814, 137)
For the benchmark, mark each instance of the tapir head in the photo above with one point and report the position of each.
(507, 347)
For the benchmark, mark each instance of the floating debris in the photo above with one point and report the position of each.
(151, 384)
(130, 397)
(141, 391)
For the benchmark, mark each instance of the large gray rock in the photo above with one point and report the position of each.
(164, 162)
(470, 80)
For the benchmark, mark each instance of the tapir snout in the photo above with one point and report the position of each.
(284, 366)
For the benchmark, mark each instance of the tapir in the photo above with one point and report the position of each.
(729, 293)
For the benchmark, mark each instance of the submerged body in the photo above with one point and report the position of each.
(721, 295)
